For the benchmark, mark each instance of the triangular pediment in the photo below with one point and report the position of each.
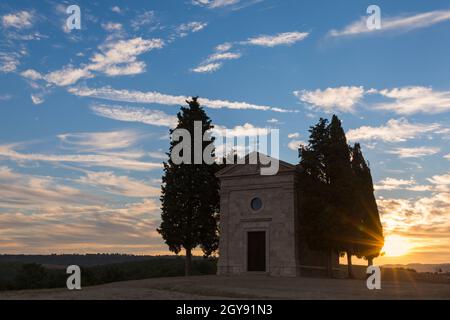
(251, 165)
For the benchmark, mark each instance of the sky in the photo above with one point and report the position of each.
(85, 113)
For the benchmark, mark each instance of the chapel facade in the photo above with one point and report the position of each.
(259, 224)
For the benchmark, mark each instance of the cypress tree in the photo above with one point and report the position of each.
(371, 238)
(190, 193)
(319, 224)
(343, 191)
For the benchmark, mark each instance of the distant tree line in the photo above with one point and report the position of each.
(20, 276)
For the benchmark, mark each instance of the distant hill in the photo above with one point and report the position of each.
(420, 267)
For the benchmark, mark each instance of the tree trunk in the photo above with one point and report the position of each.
(370, 261)
(188, 263)
(330, 264)
(350, 266)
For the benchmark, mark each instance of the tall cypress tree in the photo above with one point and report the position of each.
(190, 193)
(319, 223)
(371, 238)
(343, 191)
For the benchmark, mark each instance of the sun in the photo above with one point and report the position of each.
(395, 246)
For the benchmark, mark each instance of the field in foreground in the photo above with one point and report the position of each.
(243, 287)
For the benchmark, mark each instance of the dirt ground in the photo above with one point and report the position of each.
(242, 287)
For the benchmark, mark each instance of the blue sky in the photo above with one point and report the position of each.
(85, 114)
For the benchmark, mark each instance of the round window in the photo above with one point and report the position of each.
(256, 204)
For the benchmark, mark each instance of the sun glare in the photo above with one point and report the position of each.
(395, 246)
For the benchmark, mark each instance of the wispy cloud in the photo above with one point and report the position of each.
(97, 141)
(409, 100)
(117, 161)
(195, 26)
(164, 99)
(18, 20)
(395, 130)
(213, 4)
(207, 68)
(9, 61)
(285, 38)
(134, 114)
(397, 23)
(414, 152)
(394, 184)
(215, 61)
(144, 19)
(119, 185)
(116, 58)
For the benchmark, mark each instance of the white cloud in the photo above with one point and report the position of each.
(441, 182)
(31, 74)
(116, 9)
(409, 100)
(133, 114)
(224, 47)
(416, 152)
(68, 76)
(286, 38)
(30, 191)
(207, 68)
(447, 156)
(420, 217)
(122, 54)
(9, 61)
(18, 20)
(223, 56)
(395, 130)
(401, 23)
(118, 161)
(211, 64)
(195, 26)
(213, 4)
(119, 185)
(112, 26)
(394, 184)
(37, 99)
(296, 144)
(246, 130)
(331, 100)
(160, 98)
(294, 135)
(144, 19)
(97, 141)
(116, 58)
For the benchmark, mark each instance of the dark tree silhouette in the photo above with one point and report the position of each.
(190, 193)
(320, 225)
(343, 191)
(371, 231)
